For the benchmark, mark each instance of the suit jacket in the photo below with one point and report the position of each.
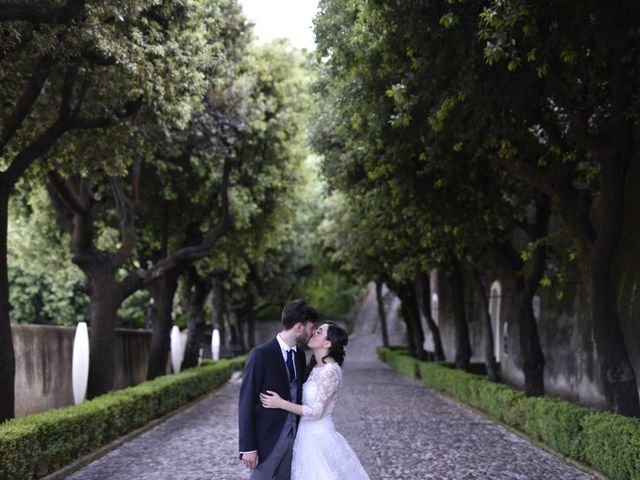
(265, 370)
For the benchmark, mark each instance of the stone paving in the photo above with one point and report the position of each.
(399, 429)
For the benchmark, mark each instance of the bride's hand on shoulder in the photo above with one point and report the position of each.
(271, 400)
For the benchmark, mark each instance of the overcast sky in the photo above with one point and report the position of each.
(282, 18)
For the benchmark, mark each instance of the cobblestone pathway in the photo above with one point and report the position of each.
(399, 429)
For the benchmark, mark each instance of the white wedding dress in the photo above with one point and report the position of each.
(319, 451)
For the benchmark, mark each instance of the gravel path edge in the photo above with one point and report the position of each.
(85, 460)
(543, 446)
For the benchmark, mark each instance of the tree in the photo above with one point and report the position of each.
(107, 286)
(400, 151)
(194, 296)
(423, 285)
(256, 259)
(583, 60)
(196, 50)
(67, 76)
(442, 75)
(382, 314)
(414, 85)
(360, 236)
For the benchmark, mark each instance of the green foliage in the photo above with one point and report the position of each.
(132, 312)
(41, 275)
(35, 445)
(611, 443)
(413, 185)
(236, 363)
(330, 292)
(275, 253)
(438, 120)
(156, 57)
(255, 109)
(556, 423)
(162, 59)
(404, 364)
(43, 299)
(382, 353)
(606, 441)
(271, 200)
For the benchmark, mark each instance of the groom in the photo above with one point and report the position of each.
(266, 435)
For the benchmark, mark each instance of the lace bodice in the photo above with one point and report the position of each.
(320, 391)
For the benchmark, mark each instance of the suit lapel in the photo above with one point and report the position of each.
(301, 364)
(280, 361)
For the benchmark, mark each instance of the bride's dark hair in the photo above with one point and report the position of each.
(339, 339)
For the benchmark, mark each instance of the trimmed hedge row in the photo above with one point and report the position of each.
(606, 441)
(35, 445)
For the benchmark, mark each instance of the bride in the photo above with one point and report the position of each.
(319, 451)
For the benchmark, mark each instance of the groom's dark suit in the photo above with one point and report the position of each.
(265, 369)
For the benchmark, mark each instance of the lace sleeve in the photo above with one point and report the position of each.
(328, 382)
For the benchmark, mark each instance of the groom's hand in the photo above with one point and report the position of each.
(250, 459)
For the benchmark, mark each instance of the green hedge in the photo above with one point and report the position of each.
(606, 441)
(393, 349)
(35, 445)
(236, 363)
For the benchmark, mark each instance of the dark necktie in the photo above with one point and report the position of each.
(292, 372)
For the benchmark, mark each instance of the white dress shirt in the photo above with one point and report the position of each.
(284, 348)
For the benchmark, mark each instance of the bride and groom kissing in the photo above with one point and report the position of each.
(285, 406)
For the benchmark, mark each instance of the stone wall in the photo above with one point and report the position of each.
(43, 367)
(132, 356)
(571, 371)
(43, 364)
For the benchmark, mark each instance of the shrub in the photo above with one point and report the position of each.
(612, 444)
(404, 364)
(382, 353)
(35, 445)
(237, 363)
(556, 423)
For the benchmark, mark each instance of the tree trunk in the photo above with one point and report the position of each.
(530, 352)
(382, 314)
(424, 284)
(489, 347)
(463, 345)
(233, 335)
(251, 330)
(529, 342)
(196, 291)
(618, 376)
(105, 299)
(194, 339)
(411, 314)
(163, 291)
(524, 285)
(411, 337)
(7, 355)
(237, 320)
(533, 360)
(597, 243)
(217, 307)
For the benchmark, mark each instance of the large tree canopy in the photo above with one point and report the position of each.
(88, 67)
(464, 114)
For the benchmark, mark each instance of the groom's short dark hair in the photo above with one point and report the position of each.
(298, 311)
